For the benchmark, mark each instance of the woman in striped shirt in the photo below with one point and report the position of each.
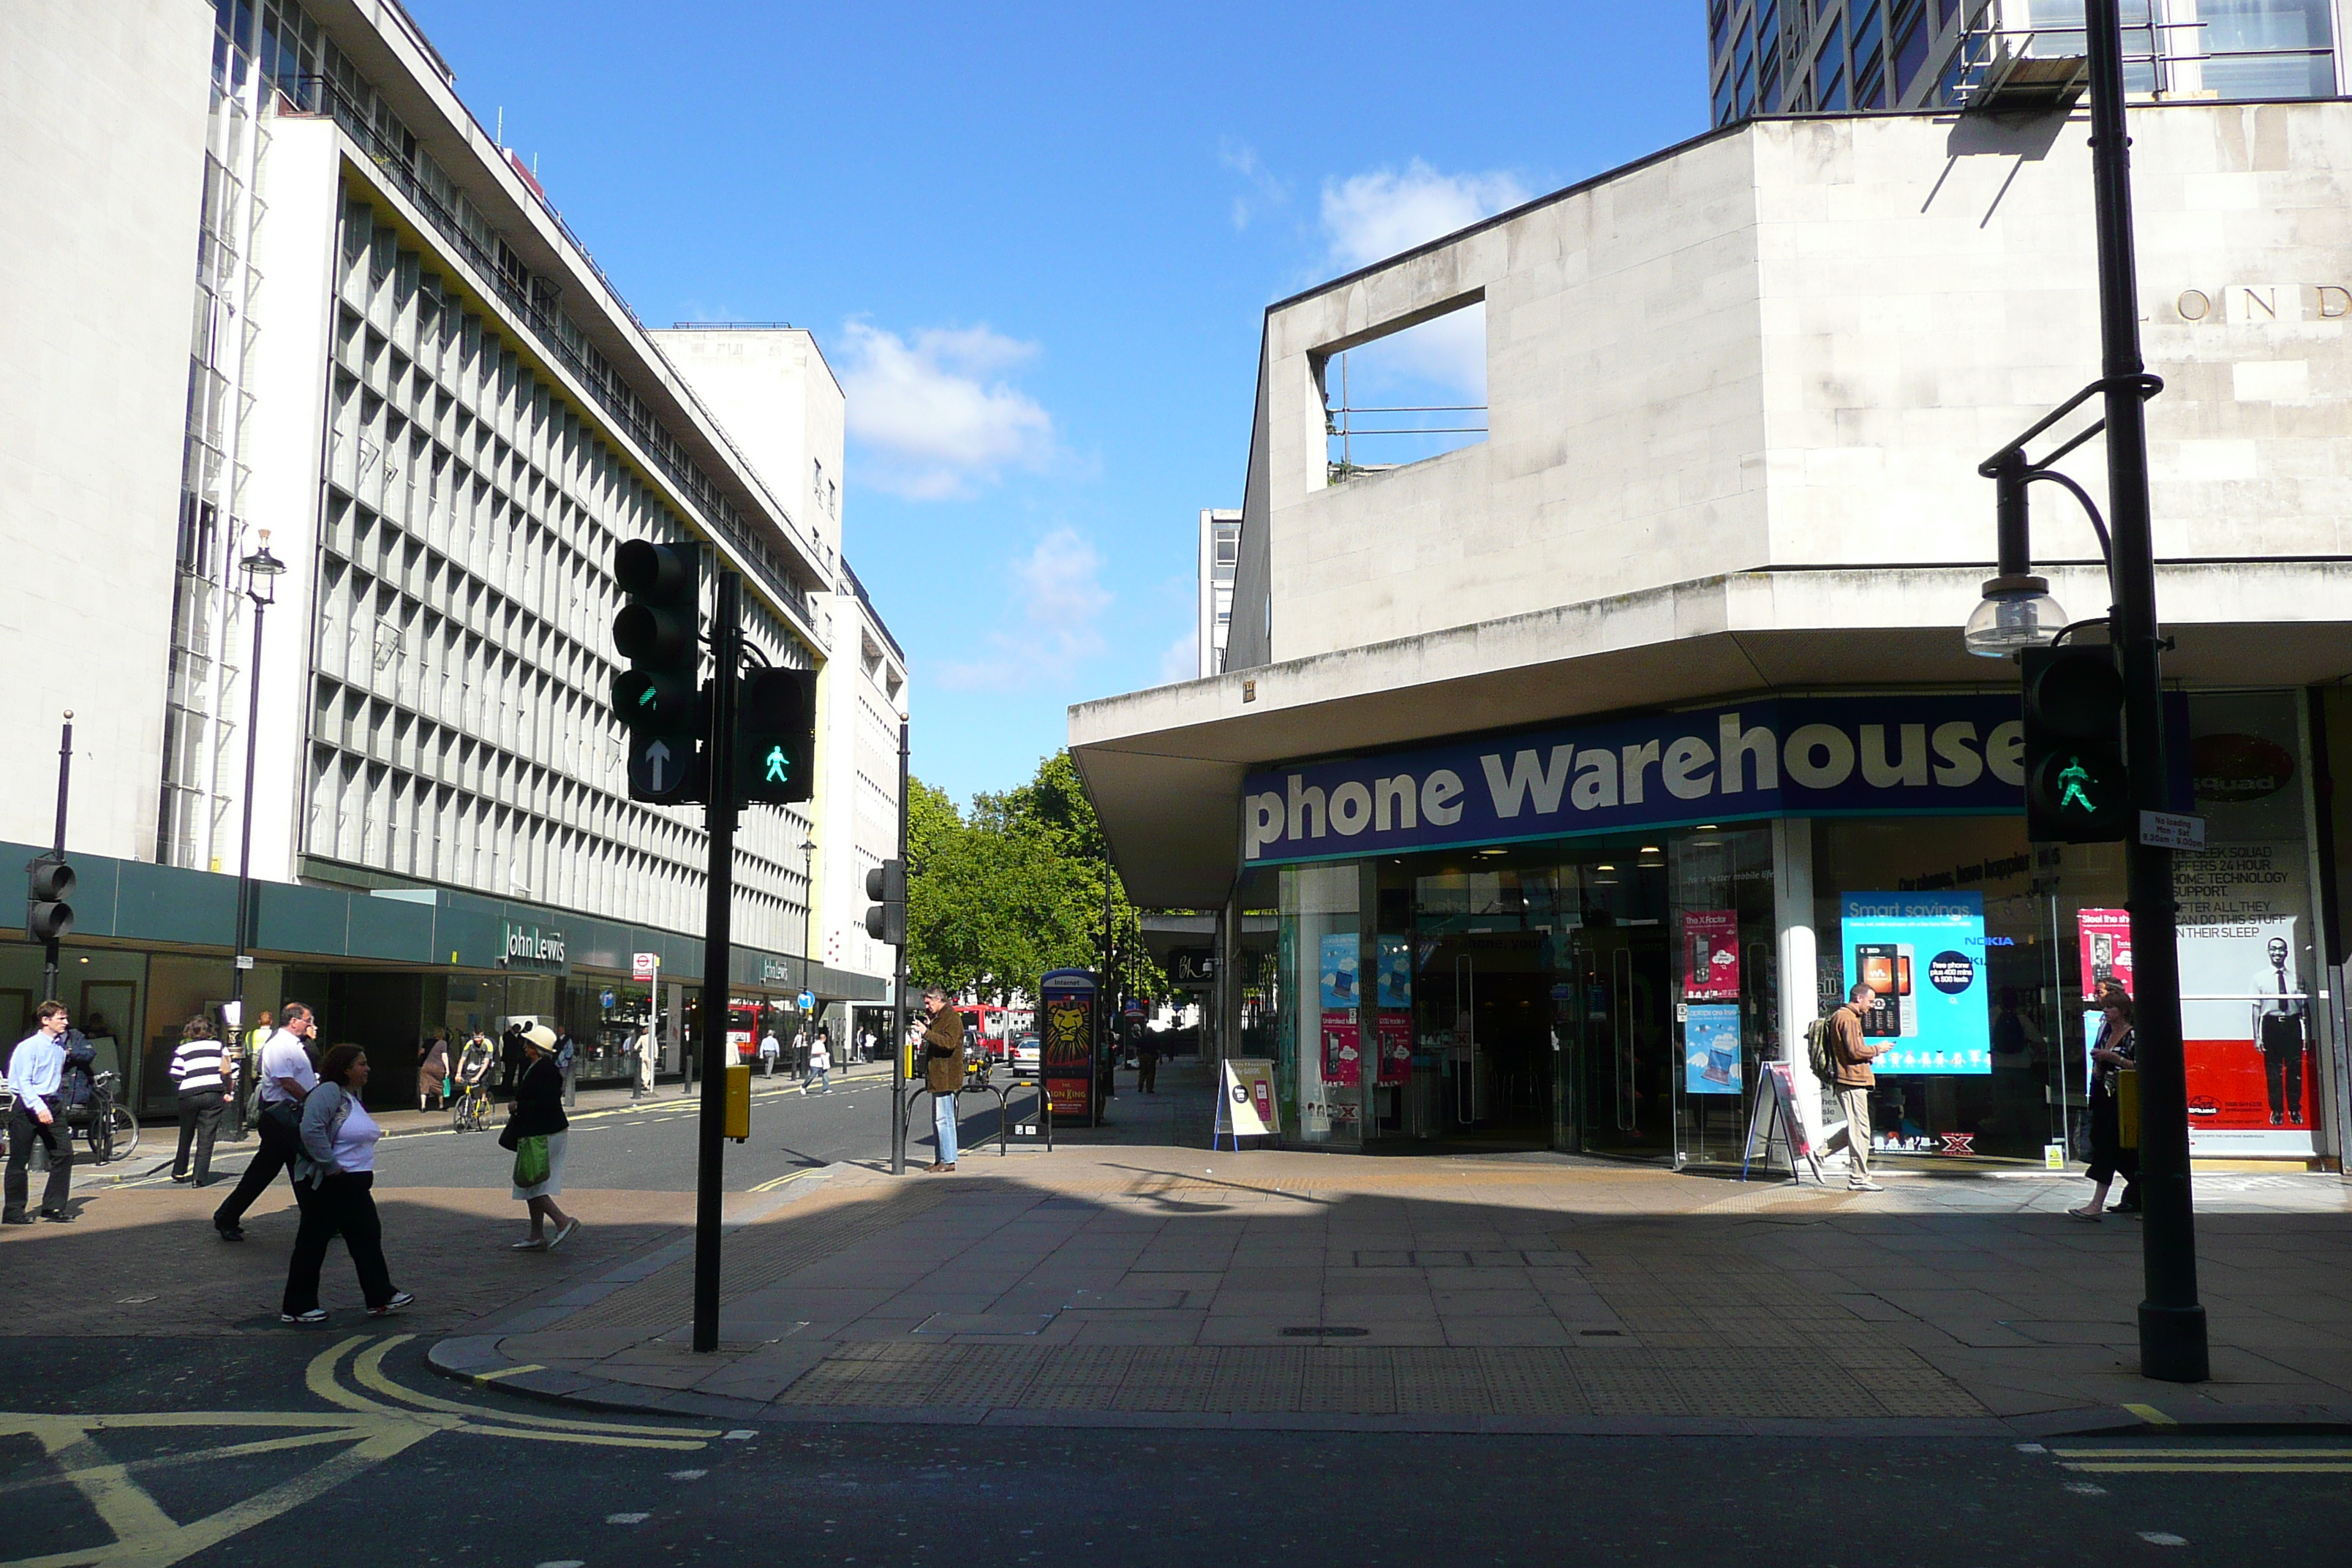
(206, 1077)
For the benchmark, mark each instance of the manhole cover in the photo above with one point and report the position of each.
(1325, 1331)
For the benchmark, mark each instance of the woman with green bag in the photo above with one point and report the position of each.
(535, 1131)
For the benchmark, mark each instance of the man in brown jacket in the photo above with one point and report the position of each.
(1851, 1054)
(943, 1071)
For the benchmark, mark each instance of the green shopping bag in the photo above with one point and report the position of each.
(531, 1166)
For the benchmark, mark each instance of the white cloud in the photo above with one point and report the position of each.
(935, 413)
(1053, 606)
(1264, 190)
(1371, 216)
(1181, 661)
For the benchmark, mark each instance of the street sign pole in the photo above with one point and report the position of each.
(726, 652)
(2173, 1343)
(898, 993)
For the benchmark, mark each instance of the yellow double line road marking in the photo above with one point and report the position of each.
(2236, 1461)
(772, 1182)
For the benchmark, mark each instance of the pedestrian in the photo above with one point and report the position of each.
(801, 1053)
(644, 1050)
(1147, 1063)
(510, 1058)
(206, 1075)
(1850, 1055)
(819, 1068)
(287, 1079)
(769, 1050)
(536, 1133)
(248, 1065)
(2116, 1048)
(335, 1170)
(943, 1072)
(37, 1070)
(433, 1072)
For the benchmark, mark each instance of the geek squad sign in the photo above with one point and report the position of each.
(1782, 756)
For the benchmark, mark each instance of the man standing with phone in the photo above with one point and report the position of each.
(288, 1078)
(1851, 1056)
(36, 1073)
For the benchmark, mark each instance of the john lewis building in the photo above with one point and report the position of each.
(1585, 764)
(267, 272)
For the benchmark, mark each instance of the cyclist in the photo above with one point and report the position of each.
(474, 1063)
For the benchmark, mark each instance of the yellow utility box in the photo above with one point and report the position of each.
(738, 1101)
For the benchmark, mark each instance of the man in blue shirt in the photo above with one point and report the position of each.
(36, 1071)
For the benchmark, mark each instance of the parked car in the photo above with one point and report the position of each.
(1026, 1055)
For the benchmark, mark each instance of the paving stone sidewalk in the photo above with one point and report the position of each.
(1115, 1283)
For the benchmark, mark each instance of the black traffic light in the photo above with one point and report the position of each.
(656, 697)
(886, 920)
(2077, 790)
(775, 736)
(49, 882)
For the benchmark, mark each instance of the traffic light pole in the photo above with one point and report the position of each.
(2172, 1343)
(718, 921)
(50, 954)
(898, 995)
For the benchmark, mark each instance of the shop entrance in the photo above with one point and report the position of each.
(1485, 1007)
(1616, 1008)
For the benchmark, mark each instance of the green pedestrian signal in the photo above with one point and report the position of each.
(2077, 789)
(775, 736)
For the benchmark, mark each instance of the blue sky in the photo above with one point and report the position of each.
(1037, 242)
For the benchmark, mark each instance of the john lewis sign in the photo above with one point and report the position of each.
(1785, 756)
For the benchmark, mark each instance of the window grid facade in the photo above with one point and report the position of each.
(269, 55)
(1776, 57)
(461, 730)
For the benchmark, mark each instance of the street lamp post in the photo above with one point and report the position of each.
(2018, 613)
(261, 571)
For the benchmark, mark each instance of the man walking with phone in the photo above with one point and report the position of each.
(1850, 1055)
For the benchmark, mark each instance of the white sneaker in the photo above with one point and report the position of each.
(1864, 1186)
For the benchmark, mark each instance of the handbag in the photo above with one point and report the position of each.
(530, 1164)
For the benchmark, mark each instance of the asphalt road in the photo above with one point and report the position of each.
(649, 1145)
(399, 1467)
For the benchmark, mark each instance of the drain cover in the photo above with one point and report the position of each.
(1325, 1331)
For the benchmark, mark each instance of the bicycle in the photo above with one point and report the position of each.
(470, 1108)
(107, 1127)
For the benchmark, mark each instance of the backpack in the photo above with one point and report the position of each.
(1820, 1054)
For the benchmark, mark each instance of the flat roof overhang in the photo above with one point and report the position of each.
(1164, 767)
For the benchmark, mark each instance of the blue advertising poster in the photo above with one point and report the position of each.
(1711, 1048)
(1342, 957)
(1396, 971)
(1922, 954)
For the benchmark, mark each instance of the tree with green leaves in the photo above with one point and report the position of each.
(1012, 888)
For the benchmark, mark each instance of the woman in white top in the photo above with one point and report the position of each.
(335, 1178)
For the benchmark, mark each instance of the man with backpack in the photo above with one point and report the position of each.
(1850, 1054)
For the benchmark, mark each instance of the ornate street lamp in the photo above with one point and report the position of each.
(261, 570)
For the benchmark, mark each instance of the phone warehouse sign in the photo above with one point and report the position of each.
(1778, 757)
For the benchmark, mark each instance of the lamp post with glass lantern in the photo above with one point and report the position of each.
(2017, 612)
(261, 571)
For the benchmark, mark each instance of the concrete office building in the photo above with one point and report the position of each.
(1582, 766)
(287, 285)
(1220, 545)
(1774, 56)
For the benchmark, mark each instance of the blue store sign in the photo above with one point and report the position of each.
(1793, 756)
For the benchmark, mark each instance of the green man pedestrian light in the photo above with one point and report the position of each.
(775, 736)
(2077, 790)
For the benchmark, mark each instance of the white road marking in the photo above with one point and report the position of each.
(627, 1517)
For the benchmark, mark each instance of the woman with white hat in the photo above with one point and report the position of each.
(536, 1132)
